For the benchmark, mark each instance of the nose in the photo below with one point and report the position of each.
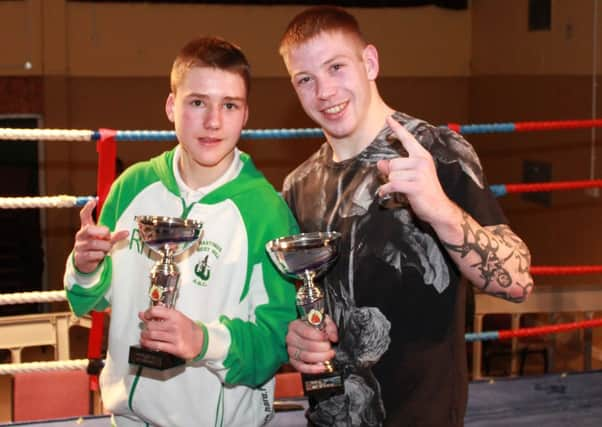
(213, 118)
(325, 89)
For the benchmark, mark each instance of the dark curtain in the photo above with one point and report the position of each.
(446, 4)
(21, 253)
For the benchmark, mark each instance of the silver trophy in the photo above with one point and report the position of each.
(306, 256)
(168, 237)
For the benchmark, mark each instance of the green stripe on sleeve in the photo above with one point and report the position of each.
(84, 299)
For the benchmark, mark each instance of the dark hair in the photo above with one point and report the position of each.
(316, 20)
(210, 52)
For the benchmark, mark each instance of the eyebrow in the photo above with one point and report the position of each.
(325, 63)
(234, 98)
(334, 59)
(226, 98)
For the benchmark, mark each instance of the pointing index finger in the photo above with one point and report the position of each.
(408, 141)
(85, 215)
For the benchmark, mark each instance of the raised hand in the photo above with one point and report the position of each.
(93, 242)
(308, 346)
(416, 177)
(171, 331)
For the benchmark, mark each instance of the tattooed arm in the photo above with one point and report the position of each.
(493, 258)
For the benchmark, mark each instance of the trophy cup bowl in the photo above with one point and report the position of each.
(307, 256)
(168, 237)
(305, 253)
(168, 234)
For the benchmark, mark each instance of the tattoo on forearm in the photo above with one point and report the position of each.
(489, 245)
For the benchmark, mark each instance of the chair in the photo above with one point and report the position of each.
(570, 298)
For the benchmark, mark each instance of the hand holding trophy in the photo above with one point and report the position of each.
(306, 256)
(168, 237)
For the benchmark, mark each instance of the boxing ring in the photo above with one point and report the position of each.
(555, 399)
(550, 400)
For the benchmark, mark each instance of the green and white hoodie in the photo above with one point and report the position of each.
(228, 285)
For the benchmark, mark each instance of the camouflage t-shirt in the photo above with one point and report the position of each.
(394, 293)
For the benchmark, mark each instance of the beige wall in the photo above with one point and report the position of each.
(84, 39)
(106, 65)
(502, 43)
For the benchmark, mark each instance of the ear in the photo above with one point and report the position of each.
(370, 57)
(169, 106)
(244, 122)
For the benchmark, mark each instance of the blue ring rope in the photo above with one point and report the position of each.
(481, 336)
(170, 135)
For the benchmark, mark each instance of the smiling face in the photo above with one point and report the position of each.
(333, 75)
(208, 109)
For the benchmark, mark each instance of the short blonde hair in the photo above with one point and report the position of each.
(316, 20)
(210, 52)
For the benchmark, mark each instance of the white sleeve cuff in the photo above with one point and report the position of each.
(219, 344)
(75, 277)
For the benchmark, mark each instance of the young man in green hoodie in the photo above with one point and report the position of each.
(228, 323)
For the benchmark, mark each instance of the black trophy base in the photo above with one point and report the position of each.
(153, 359)
(322, 386)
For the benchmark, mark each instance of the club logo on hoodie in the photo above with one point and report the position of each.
(209, 254)
(202, 269)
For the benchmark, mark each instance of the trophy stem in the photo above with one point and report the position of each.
(167, 255)
(308, 277)
(313, 292)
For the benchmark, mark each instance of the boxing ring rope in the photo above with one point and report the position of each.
(60, 295)
(525, 126)
(13, 134)
(32, 297)
(505, 334)
(549, 270)
(61, 201)
(499, 190)
(503, 189)
(55, 365)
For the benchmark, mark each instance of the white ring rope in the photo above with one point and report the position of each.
(61, 201)
(46, 134)
(29, 297)
(55, 365)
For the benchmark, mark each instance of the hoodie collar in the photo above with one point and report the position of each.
(191, 195)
